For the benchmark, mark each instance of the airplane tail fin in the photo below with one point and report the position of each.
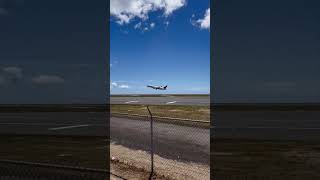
(165, 87)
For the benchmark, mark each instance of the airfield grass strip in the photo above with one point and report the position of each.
(171, 111)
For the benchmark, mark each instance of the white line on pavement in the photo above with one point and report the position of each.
(172, 102)
(68, 127)
(131, 102)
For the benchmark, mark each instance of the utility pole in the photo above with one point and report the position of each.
(151, 141)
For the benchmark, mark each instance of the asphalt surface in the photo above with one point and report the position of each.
(170, 141)
(163, 100)
(273, 125)
(55, 123)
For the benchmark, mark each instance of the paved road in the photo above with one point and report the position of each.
(164, 100)
(170, 141)
(280, 125)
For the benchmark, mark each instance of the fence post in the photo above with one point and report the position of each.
(151, 141)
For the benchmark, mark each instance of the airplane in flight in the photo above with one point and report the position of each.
(158, 87)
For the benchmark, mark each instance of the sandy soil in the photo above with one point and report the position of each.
(135, 164)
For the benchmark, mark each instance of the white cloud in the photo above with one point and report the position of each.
(126, 10)
(11, 74)
(137, 26)
(124, 86)
(13, 71)
(144, 26)
(166, 23)
(113, 64)
(205, 22)
(47, 79)
(172, 5)
(152, 25)
(113, 85)
(118, 85)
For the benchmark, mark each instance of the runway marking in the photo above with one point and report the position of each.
(172, 102)
(68, 127)
(131, 102)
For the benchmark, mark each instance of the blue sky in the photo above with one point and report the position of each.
(159, 42)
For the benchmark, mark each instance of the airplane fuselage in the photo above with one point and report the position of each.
(158, 87)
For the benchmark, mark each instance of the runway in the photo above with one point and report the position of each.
(171, 141)
(303, 125)
(55, 123)
(162, 100)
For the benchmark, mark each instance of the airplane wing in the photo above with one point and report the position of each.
(158, 87)
(151, 87)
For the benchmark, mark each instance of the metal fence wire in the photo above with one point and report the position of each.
(150, 139)
(182, 148)
(130, 142)
(176, 147)
(162, 142)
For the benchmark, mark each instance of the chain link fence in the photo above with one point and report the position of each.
(168, 141)
(181, 145)
(177, 136)
(130, 142)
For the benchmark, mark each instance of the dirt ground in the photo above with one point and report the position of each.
(135, 164)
